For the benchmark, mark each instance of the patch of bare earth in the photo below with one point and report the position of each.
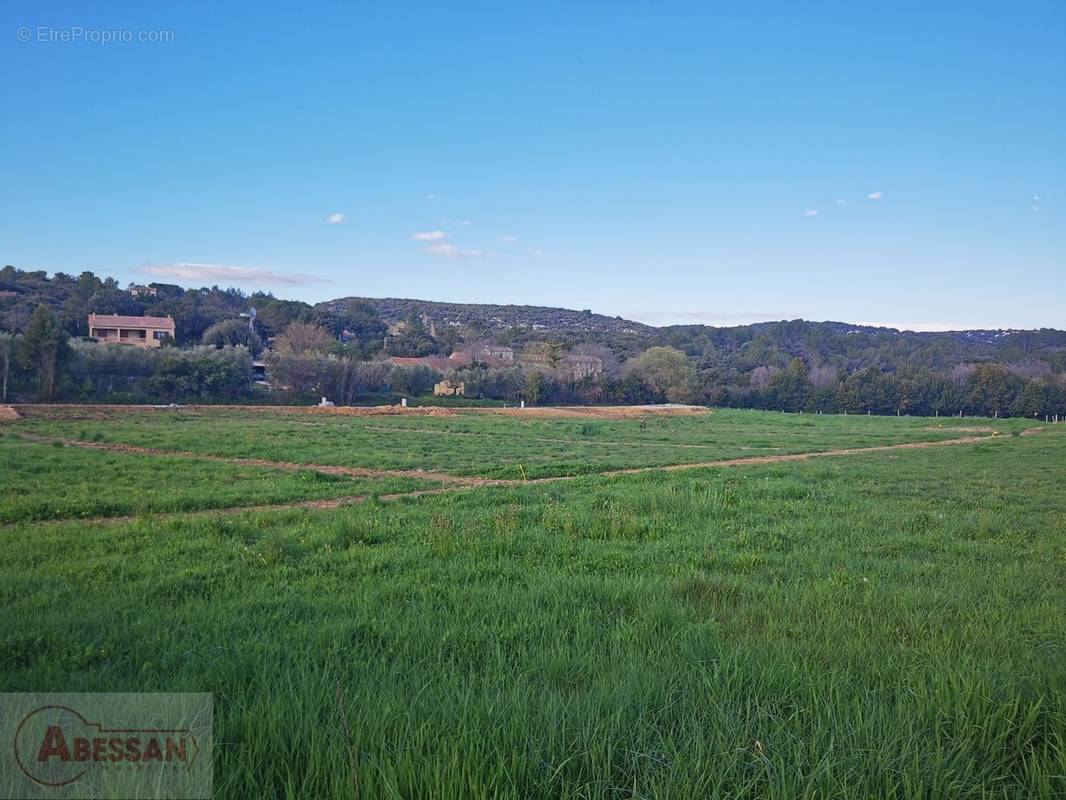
(8, 414)
(313, 505)
(752, 460)
(961, 428)
(102, 411)
(289, 466)
(594, 412)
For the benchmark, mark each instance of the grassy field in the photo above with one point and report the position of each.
(884, 624)
(57, 482)
(500, 446)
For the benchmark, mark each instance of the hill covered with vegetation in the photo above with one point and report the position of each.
(342, 348)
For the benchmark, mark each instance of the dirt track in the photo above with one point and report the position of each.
(595, 412)
(291, 466)
(545, 439)
(71, 411)
(451, 483)
(102, 411)
(315, 505)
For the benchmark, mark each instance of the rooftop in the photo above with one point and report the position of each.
(120, 321)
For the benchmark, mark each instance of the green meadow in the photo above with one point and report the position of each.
(889, 624)
(510, 447)
(53, 481)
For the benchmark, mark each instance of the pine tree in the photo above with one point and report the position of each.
(44, 348)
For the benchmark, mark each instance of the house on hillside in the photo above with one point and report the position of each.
(138, 331)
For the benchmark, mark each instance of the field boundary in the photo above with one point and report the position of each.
(450, 483)
(478, 481)
(288, 466)
(46, 410)
(324, 504)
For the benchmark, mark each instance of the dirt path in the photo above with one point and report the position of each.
(853, 451)
(475, 481)
(289, 466)
(102, 410)
(452, 483)
(313, 505)
(544, 439)
(595, 412)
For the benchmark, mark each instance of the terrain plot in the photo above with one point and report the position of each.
(508, 622)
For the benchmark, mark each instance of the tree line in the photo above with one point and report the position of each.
(306, 361)
(340, 350)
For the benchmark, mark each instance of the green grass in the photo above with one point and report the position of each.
(52, 482)
(884, 625)
(502, 447)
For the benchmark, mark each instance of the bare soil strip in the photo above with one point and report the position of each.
(595, 412)
(100, 411)
(290, 466)
(315, 505)
(475, 481)
(453, 483)
(749, 460)
(545, 439)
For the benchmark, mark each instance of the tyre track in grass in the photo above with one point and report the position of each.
(288, 466)
(452, 483)
(477, 481)
(326, 504)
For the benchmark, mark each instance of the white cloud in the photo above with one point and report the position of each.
(451, 251)
(810, 213)
(508, 239)
(221, 273)
(842, 202)
(429, 236)
(1036, 208)
(465, 222)
(1036, 198)
(538, 253)
(875, 195)
(335, 218)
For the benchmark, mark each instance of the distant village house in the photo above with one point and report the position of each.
(138, 331)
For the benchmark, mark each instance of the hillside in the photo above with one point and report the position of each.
(793, 365)
(766, 343)
(493, 317)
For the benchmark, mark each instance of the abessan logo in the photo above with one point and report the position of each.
(113, 745)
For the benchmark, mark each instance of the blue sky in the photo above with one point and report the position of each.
(723, 163)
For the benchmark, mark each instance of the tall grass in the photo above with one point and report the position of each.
(888, 625)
